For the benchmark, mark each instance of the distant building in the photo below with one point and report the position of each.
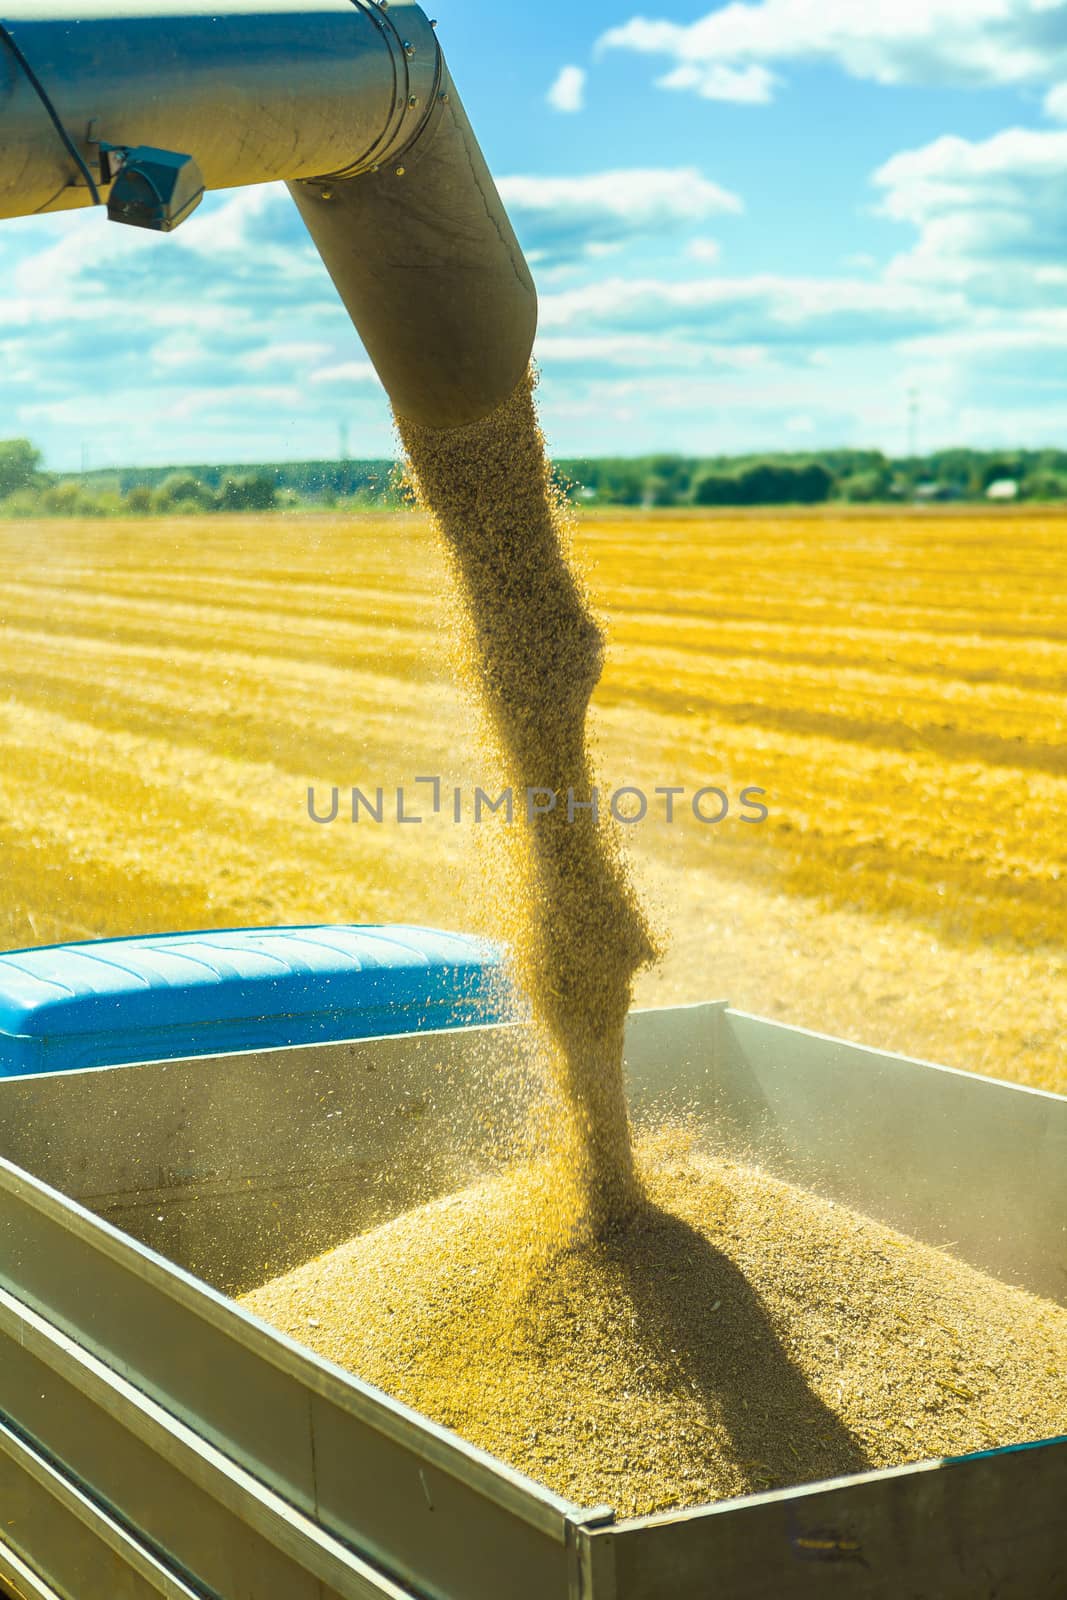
(936, 491)
(1003, 489)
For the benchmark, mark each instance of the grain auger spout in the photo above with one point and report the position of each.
(143, 105)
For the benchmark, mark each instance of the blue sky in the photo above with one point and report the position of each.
(758, 226)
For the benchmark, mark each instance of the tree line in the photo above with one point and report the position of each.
(27, 490)
(854, 476)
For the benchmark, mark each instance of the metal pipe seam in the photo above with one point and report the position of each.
(418, 68)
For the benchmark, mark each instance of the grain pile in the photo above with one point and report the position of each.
(559, 893)
(741, 1335)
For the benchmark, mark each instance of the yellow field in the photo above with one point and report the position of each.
(169, 689)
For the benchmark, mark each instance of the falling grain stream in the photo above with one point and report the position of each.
(575, 927)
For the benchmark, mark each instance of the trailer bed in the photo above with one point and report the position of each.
(155, 1439)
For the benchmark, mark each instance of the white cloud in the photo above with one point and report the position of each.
(272, 357)
(950, 171)
(639, 352)
(990, 215)
(722, 410)
(176, 352)
(651, 194)
(761, 309)
(568, 91)
(1056, 102)
(1027, 336)
(346, 372)
(195, 404)
(972, 42)
(706, 250)
(991, 390)
(562, 220)
(752, 85)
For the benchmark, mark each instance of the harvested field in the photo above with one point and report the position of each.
(170, 688)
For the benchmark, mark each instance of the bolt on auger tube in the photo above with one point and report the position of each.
(143, 105)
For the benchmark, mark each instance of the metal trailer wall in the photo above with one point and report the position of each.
(156, 1440)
